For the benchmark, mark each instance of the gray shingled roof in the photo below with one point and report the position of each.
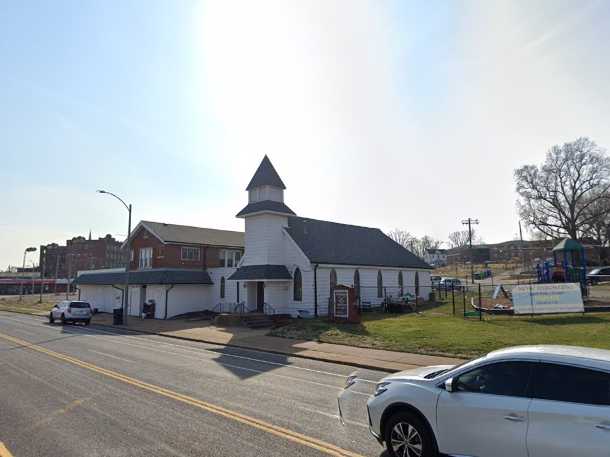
(265, 205)
(153, 276)
(260, 272)
(333, 243)
(185, 234)
(266, 175)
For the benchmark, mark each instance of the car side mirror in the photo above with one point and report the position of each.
(449, 386)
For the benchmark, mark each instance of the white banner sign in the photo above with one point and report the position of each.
(548, 298)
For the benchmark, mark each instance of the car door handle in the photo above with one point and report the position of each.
(603, 426)
(514, 418)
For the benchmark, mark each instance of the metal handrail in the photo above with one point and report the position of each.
(267, 307)
(240, 308)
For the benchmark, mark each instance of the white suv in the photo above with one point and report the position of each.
(536, 401)
(71, 311)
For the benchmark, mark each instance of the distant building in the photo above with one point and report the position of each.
(464, 254)
(436, 257)
(79, 254)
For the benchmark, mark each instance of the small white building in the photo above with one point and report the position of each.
(283, 263)
(291, 263)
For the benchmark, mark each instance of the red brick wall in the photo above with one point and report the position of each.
(170, 256)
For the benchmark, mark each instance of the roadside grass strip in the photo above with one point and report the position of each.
(281, 432)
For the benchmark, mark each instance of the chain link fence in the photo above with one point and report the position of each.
(478, 299)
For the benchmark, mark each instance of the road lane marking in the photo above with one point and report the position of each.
(4, 452)
(111, 356)
(199, 350)
(333, 416)
(276, 430)
(142, 343)
(151, 344)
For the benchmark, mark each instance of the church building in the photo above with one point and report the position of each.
(291, 263)
(282, 264)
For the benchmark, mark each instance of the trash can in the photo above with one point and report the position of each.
(117, 316)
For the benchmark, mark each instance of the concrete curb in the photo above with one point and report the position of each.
(250, 348)
(366, 366)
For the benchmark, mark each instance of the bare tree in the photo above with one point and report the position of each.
(565, 195)
(417, 246)
(460, 238)
(597, 229)
(402, 237)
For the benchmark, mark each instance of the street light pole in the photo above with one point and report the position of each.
(25, 253)
(128, 249)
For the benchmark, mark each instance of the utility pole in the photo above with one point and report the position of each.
(69, 262)
(56, 270)
(43, 263)
(470, 222)
(522, 250)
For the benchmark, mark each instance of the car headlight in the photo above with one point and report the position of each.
(381, 387)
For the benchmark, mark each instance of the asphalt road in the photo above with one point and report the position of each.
(94, 391)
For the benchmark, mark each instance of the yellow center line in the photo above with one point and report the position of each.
(282, 432)
(4, 452)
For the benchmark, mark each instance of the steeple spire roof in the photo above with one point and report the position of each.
(266, 175)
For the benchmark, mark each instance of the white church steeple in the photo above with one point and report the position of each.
(266, 192)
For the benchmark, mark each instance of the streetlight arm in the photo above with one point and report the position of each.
(115, 196)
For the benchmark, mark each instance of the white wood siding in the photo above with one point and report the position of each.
(368, 283)
(216, 274)
(264, 240)
(104, 298)
(186, 298)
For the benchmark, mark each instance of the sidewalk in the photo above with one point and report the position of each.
(257, 339)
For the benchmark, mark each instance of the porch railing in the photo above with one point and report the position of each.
(268, 309)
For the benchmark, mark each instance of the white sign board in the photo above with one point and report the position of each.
(341, 304)
(548, 298)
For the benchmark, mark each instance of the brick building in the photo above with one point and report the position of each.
(161, 245)
(180, 268)
(79, 254)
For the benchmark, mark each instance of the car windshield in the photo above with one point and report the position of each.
(81, 304)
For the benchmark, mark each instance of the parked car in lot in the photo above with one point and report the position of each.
(598, 275)
(536, 401)
(71, 311)
(450, 283)
(435, 280)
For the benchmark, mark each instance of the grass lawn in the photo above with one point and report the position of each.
(437, 331)
(30, 304)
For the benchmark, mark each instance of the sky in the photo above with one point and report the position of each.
(390, 114)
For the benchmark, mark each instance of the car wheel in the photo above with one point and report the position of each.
(406, 435)
(88, 321)
(51, 319)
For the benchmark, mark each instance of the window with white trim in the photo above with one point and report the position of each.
(190, 253)
(146, 257)
(229, 258)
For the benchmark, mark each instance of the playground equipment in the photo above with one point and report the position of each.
(569, 265)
